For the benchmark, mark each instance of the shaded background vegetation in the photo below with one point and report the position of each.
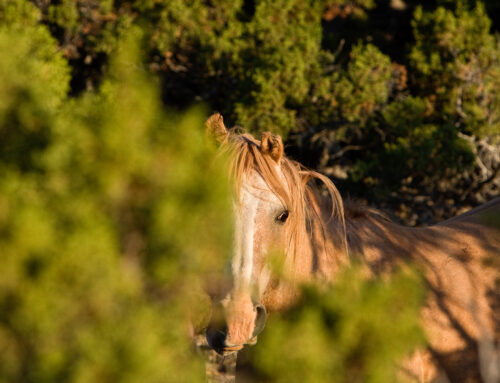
(395, 100)
(109, 210)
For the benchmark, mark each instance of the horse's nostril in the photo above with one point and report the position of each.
(217, 330)
(260, 320)
(216, 338)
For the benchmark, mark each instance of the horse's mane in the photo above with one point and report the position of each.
(297, 191)
(357, 210)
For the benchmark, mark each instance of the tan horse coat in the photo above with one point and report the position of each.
(460, 259)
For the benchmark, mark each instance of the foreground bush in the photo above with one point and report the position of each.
(100, 199)
(359, 330)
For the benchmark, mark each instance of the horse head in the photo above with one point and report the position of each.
(276, 213)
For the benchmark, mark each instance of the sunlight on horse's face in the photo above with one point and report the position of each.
(260, 218)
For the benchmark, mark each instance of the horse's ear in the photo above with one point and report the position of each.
(215, 127)
(272, 145)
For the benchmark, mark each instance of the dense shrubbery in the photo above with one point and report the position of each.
(413, 125)
(398, 121)
(96, 285)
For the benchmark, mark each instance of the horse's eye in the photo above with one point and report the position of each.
(283, 216)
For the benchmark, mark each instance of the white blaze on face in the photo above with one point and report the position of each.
(254, 219)
(244, 236)
(255, 196)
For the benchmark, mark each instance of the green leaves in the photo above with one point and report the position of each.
(109, 208)
(32, 89)
(356, 331)
(456, 62)
(365, 87)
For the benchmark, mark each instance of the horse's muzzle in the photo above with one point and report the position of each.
(217, 332)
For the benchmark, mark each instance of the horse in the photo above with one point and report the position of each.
(278, 207)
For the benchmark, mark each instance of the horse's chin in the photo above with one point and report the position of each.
(227, 350)
(230, 350)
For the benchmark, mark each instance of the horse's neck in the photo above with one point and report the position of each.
(381, 245)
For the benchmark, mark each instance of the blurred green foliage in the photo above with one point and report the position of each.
(357, 330)
(100, 199)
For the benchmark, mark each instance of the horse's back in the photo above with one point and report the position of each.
(487, 213)
(478, 230)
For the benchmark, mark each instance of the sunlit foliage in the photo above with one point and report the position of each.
(359, 330)
(108, 209)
